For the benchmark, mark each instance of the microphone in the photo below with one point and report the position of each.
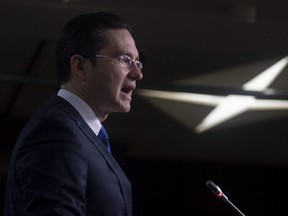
(218, 192)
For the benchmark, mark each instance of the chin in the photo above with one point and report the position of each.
(120, 108)
(125, 108)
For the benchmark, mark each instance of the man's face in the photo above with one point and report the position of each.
(109, 86)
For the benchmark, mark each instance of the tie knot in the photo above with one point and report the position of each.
(103, 134)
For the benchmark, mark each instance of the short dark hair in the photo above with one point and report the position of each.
(83, 35)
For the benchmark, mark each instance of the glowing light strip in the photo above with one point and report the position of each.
(270, 105)
(228, 108)
(181, 96)
(264, 79)
(231, 105)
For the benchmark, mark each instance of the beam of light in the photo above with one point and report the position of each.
(269, 105)
(202, 99)
(264, 79)
(233, 106)
(229, 106)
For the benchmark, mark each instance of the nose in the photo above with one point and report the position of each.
(135, 72)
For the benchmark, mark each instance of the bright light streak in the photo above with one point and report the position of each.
(270, 104)
(181, 96)
(226, 108)
(264, 79)
(229, 106)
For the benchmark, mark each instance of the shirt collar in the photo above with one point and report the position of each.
(83, 108)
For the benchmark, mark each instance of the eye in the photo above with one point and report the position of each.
(139, 65)
(124, 59)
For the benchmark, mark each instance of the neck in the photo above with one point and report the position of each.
(75, 91)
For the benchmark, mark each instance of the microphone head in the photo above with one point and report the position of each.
(216, 190)
(213, 187)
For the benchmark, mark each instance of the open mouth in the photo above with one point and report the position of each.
(126, 90)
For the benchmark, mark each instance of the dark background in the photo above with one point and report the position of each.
(212, 46)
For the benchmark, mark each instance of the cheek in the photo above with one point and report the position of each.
(116, 79)
(108, 80)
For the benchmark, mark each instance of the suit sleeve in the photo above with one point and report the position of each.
(51, 170)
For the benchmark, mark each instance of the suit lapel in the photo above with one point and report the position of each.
(83, 126)
(110, 160)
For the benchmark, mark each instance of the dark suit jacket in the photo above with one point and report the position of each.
(60, 167)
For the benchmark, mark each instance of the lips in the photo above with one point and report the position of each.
(128, 89)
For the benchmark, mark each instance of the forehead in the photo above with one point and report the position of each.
(120, 41)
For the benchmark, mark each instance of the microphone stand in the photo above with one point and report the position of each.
(234, 207)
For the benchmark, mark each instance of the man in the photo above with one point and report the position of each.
(59, 165)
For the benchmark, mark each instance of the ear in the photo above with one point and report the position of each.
(78, 66)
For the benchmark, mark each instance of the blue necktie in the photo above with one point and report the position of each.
(104, 138)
